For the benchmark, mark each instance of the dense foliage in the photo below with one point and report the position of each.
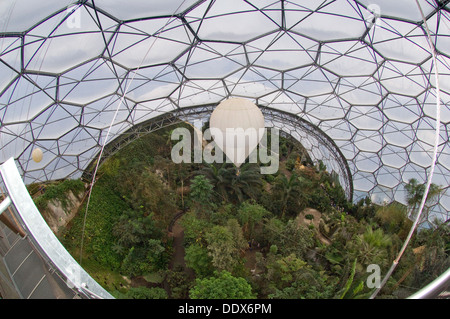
(292, 234)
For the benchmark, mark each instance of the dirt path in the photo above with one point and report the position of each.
(179, 251)
(250, 260)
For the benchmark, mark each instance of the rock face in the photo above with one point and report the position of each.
(57, 216)
(309, 217)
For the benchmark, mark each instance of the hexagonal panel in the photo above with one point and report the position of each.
(326, 107)
(199, 92)
(15, 138)
(152, 83)
(388, 177)
(55, 121)
(364, 182)
(25, 99)
(360, 90)
(310, 81)
(253, 82)
(47, 49)
(150, 109)
(49, 150)
(215, 60)
(421, 154)
(77, 85)
(153, 42)
(401, 108)
(338, 129)
(287, 102)
(367, 162)
(366, 117)
(78, 141)
(349, 58)
(399, 134)
(230, 20)
(368, 141)
(343, 22)
(282, 51)
(394, 156)
(100, 114)
(401, 41)
(402, 78)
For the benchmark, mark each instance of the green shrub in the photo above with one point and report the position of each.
(222, 286)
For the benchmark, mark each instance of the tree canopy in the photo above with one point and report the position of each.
(222, 286)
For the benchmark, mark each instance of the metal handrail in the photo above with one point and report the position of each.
(435, 288)
(46, 244)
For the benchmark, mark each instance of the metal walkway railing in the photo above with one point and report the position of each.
(34, 260)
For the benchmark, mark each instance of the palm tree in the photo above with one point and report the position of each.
(233, 184)
(247, 183)
(415, 192)
(371, 247)
(219, 177)
(289, 190)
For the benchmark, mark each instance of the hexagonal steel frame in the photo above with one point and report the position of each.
(360, 71)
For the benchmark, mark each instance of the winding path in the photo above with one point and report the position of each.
(177, 233)
(179, 251)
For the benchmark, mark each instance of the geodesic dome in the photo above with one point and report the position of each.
(361, 72)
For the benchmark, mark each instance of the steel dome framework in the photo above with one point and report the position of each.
(75, 75)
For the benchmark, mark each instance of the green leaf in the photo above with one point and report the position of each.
(349, 280)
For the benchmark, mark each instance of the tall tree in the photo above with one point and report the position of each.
(225, 244)
(201, 194)
(251, 214)
(415, 192)
(197, 259)
(145, 191)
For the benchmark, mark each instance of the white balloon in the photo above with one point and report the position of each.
(237, 126)
(37, 155)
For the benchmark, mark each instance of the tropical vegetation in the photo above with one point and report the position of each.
(290, 235)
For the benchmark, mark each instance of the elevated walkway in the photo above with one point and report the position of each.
(33, 263)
